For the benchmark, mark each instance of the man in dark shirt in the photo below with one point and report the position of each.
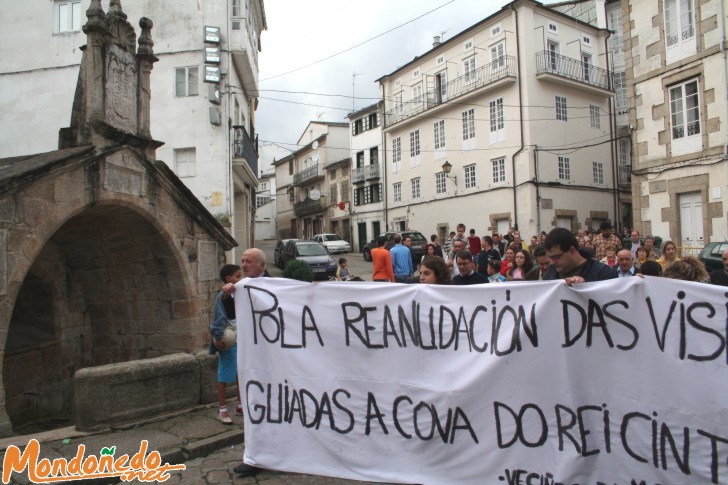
(488, 254)
(720, 276)
(570, 264)
(466, 267)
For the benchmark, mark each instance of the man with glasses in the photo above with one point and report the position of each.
(466, 270)
(570, 264)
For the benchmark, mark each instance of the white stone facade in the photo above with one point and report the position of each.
(678, 78)
(518, 105)
(36, 91)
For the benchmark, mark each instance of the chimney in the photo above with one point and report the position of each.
(435, 41)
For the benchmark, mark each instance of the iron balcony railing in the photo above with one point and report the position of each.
(308, 174)
(308, 207)
(495, 70)
(369, 172)
(552, 63)
(243, 147)
(625, 174)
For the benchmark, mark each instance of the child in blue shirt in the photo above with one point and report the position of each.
(227, 365)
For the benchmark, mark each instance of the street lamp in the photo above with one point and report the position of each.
(446, 168)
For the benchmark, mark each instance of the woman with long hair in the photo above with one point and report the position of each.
(523, 265)
(430, 250)
(669, 254)
(434, 270)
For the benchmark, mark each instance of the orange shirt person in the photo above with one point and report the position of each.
(382, 262)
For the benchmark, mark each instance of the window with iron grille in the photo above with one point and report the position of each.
(439, 134)
(469, 124)
(685, 110)
(415, 187)
(470, 176)
(561, 108)
(440, 183)
(564, 168)
(594, 116)
(499, 170)
(397, 192)
(598, 172)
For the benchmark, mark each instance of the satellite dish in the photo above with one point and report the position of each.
(315, 145)
(315, 156)
(315, 194)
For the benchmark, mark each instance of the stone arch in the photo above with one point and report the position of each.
(110, 284)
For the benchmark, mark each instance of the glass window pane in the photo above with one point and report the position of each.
(76, 16)
(192, 80)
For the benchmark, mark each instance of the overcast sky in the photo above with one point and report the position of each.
(304, 32)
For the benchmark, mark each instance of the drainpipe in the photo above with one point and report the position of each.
(725, 65)
(520, 108)
(538, 189)
(384, 160)
(612, 131)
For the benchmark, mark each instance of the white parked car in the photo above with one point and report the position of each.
(333, 243)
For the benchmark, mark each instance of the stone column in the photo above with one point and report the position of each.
(145, 54)
(96, 31)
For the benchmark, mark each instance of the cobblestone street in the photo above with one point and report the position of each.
(218, 468)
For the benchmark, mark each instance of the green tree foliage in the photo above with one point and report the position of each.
(298, 270)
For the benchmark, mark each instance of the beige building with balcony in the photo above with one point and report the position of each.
(517, 108)
(677, 72)
(313, 184)
(208, 128)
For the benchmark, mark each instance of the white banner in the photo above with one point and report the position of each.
(617, 382)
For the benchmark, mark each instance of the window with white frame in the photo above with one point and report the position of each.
(333, 192)
(185, 162)
(616, 40)
(415, 182)
(396, 154)
(469, 69)
(68, 16)
(185, 81)
(414, 143)
(499, 170)
(236, 8)
(594, 116)
(598, 172)
(679, 29)
(620, 90)
(564, 168)
(585, 40)
(441, 85)
(469, 124)
(470, 176)
(417, 94)
(440, 183)
(397, 192)
(439, 134)
(552, 56)
(495, 30)
(586, 67)
(398, 104)
(561, 108)
(553, 27)
(440, 60)
(497, 121)
(685, 117)
(498, 55)
(625, 163)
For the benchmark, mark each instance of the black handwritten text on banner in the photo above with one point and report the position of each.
(513, 383)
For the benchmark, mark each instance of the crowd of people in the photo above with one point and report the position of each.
(560, 254)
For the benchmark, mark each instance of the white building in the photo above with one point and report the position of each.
(516, 106)
(313, 184)
(677, 72)
(367, 175)
(209, 133)
(265, 207)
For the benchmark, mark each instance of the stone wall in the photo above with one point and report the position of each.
(107, 261)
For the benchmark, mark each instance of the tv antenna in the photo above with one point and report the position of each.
(353, 84)
(320, 115)
(442, 35)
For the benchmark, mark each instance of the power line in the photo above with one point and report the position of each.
(359, 44)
